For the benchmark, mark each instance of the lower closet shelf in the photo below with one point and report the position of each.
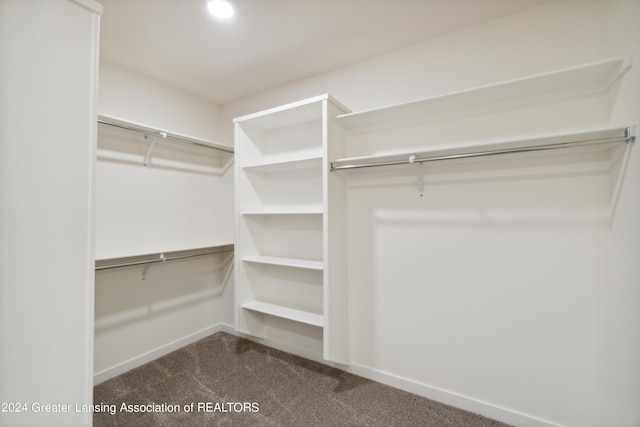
(286, 262)
(286, 312)
(132, 260)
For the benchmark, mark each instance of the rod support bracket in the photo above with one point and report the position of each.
(418, 169)
(162, 258)
(150, 149)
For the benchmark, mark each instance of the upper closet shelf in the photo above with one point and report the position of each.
(584, 80)
(297, 112)
(163, 134)
(594, 139)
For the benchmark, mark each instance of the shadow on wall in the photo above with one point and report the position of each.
(124, 296)
(122, 146)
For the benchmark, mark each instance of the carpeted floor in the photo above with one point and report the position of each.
(235, 382)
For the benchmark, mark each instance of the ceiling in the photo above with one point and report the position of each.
(269, 43)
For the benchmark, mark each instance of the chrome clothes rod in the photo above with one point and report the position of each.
(162, 257)
(147, 131)
(626, 135)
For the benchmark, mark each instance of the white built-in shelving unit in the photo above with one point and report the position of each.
(291, 235)
(291, 223)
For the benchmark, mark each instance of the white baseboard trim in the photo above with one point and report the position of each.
(114, 371)
(437, 394)
(283, 346)
(447, 397)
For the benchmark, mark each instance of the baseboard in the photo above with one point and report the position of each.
(447, 397)
(466, 403)
(437, 394)
(283, 346)
(130, 364)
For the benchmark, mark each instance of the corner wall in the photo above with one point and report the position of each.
(182, 200)
(512, 294)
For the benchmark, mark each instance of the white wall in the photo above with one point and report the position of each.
(510, 287)
(127, 94)
(618, 346)
(183, 199)
(508, 48)
(48, 96)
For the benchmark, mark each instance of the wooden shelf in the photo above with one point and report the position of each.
(589, 79)
(287, 165)
(311, 211)
(164, 134)
(286, 262)
(285, 312)
(286, 115)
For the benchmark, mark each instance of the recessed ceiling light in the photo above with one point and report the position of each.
(220, 8)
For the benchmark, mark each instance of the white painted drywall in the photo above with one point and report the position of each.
(509, 288)
(127, 94)
(48, 98)
(183, 199)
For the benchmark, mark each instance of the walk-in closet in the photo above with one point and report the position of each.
(319, 213)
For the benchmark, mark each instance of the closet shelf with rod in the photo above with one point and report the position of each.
(129, 261)
(595, 139)
(149, 131)
(585, 80)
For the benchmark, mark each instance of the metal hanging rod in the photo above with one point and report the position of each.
(596, 138)
(163, 257)
(148, 131)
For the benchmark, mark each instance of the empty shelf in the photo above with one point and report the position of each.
(301, 316)
(286, 262)
(286, 165)
(151, 131)
(310, 211)
(583, 80)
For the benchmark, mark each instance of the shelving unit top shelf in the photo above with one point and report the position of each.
(286, 115)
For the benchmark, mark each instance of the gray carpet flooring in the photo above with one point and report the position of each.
(232, 381)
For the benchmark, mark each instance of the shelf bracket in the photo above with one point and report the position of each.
(418, 169)
(148, 266)
(150, 149)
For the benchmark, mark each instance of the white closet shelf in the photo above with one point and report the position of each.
(293, 211)
(307, 110)
(132, 260)
(164, 134)
(597, 139)
(296, 315)
(286, 262)
(286, 165)
(583, 80)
